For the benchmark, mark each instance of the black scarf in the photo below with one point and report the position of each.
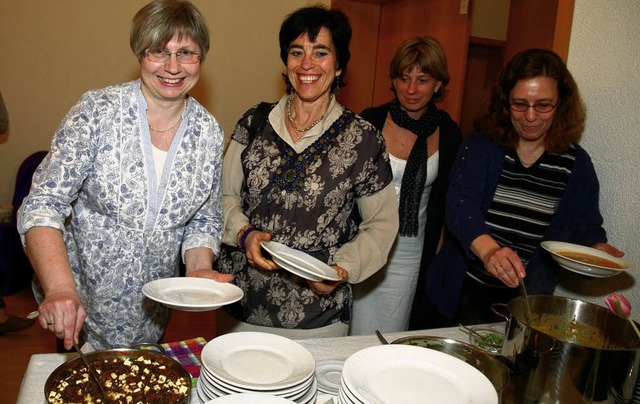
(415, 174)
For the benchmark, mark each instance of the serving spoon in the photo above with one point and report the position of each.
(92, 371)
(382, 338)
(523, 292)
(474, 332)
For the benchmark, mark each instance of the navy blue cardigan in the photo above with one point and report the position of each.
(472, 185)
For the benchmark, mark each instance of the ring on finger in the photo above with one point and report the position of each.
(50, 323)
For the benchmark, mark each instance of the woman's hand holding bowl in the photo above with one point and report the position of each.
(326, 287)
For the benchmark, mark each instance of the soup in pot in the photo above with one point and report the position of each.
(582, 334)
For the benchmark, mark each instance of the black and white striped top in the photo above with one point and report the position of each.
(525, 201)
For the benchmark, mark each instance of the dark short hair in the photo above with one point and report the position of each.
(569, 114)
(310, 20)
(159, 21)
(426, 53)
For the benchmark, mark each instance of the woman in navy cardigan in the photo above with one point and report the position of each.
(521, 179)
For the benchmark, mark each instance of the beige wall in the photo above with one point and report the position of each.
(51, 52)
(604, 56)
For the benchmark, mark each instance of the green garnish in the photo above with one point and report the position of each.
(490, 341)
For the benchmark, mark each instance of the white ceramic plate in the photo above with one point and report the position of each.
(347, 395)
(249, 398)
(301, 261)
(210, 391)
(411, 374)
(295, 270)
(204, 393)
(310, 396)
(583, 268)
(328, 374)
(258, 361)
(192, 294)
(223, 387)
(307, 395)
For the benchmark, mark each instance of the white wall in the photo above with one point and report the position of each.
(604, 58)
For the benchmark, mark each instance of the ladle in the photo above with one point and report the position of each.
(523, 291)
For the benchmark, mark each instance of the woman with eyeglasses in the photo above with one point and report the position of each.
(520, 179)
(131, 186)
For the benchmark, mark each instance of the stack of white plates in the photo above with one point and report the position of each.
(249, 398)
(256, 363)
(411, 374)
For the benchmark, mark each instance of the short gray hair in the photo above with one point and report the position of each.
(159, 21)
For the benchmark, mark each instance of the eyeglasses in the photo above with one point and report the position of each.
(541, 107)
(159, 55)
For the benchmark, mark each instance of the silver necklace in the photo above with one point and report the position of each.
(184, 106)
(317, 121)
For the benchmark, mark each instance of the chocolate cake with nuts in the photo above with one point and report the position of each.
(125, 380)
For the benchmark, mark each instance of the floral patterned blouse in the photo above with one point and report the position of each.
(122, 226)
(308, 201)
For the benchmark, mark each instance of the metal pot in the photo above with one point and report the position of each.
(76, 363)
(489, 365)
(569, 351)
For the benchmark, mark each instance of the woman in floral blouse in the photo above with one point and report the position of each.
(131, 185)
(315, 178)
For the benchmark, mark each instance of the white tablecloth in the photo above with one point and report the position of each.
(41, 365)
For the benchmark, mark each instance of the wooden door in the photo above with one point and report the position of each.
(542, 24)
(380, 26)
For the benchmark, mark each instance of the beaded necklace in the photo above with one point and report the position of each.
(184, 106)
(317, 121)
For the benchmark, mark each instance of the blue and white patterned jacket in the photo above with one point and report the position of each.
(122, 226)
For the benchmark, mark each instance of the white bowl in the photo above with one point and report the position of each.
(584, 268)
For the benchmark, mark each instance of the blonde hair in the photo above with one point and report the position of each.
(426, 53)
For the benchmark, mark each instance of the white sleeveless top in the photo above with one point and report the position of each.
(397, 167)
(384, 301)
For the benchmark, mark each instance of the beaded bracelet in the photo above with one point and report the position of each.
(242, 235)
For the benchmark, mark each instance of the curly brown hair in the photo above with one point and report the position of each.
(570, 114)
